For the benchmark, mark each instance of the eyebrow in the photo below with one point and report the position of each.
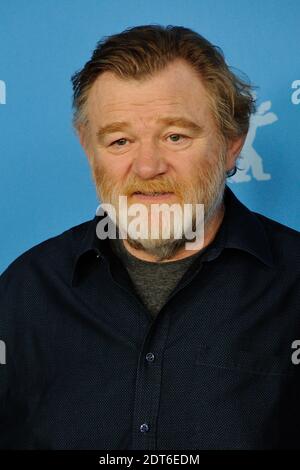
(166, 121)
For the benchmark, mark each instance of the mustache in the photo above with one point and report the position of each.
(134, 184)
(151, 187)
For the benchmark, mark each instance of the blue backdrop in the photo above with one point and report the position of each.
(45, 184)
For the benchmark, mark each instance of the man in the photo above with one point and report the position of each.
(137, 342)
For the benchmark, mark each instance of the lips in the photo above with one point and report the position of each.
(153, 196)
(152, 193)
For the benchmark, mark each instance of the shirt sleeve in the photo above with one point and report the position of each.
(10, 387)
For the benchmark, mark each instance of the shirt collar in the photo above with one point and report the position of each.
(245, 230)
(240, 229)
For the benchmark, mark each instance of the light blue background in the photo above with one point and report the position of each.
(45, 183)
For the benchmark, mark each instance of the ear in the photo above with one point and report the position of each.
(83, 134)
(234, 148)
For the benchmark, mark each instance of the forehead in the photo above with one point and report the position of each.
(178, 88)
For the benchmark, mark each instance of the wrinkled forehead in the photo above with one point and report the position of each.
(176, 89)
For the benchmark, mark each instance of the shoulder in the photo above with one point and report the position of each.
(284, 241)
(52, 255)
(278, 231)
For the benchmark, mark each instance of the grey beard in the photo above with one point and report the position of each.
(163, 251)
(168, 249)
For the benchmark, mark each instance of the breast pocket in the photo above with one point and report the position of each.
(240, 398)
(262, 363)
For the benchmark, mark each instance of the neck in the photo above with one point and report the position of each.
(210, 231)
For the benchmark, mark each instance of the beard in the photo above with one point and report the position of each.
(206, 186)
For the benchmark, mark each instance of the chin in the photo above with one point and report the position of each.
(161, 249)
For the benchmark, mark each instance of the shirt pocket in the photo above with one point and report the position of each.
(249, 398)
(253, 362)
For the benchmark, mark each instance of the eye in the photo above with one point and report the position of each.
(177, 137)
(121, 142)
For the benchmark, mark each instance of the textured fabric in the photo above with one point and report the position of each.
(89, 367)
(153, 281)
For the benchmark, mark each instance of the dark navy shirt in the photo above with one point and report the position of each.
(153, 281)
(88, 367)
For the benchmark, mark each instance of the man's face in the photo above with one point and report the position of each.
(155, 135)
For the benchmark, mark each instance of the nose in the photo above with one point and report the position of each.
(149, 162)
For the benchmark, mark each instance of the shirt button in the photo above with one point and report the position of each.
(144, 427)
(150, 357)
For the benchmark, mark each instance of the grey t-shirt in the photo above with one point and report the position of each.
(153, 281)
